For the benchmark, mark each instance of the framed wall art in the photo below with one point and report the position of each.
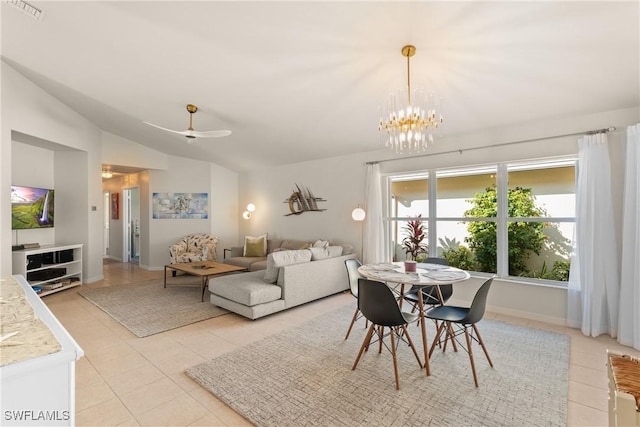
(180, 205)
(115, 205)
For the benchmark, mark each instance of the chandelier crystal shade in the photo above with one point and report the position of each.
(409, 120)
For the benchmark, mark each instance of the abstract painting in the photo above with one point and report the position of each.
(115, 205)
(180, 205)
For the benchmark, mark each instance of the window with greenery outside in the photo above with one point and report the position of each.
(525, 237)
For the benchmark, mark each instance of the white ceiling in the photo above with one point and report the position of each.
(298, 81)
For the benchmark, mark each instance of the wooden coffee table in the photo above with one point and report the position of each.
(202, 269)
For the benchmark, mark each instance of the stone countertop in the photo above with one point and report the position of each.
(31, 336)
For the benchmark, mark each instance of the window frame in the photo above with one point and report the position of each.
(502, 219)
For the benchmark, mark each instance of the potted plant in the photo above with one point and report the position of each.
(416, 233)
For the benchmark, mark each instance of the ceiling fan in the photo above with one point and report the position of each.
(191, 134)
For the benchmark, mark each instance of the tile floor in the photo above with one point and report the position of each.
(125, 380)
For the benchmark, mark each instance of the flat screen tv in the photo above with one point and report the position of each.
(31, 207)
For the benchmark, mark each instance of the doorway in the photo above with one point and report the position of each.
(105, 226)
(131, 225)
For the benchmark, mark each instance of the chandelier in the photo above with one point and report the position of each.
(409, 120)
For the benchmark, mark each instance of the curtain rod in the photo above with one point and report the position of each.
(589, 132)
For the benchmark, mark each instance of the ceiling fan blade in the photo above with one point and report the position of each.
(168, 130)
(211, 133)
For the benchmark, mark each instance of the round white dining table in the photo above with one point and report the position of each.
(394, 275)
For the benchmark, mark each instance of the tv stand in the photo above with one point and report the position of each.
(51, 268)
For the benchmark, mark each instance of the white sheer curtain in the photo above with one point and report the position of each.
(373, 250)
(593, 281)
(629, 319)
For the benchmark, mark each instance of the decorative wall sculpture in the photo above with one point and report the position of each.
(180, 205)
(303, 200)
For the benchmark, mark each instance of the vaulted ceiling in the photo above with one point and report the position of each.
(297, 81)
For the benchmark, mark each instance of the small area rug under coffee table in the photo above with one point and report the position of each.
(147, 308)
(302, 377)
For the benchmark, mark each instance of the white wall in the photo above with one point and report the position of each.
(223, 207)
(339, 180)
(188, 176)
(169, 174)
(28, 110)
(124, 152)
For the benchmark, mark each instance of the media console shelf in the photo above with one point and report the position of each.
(52, 268)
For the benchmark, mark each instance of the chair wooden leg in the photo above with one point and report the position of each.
(470, 351)
(415, 353)
(365, 344)
(353, 320)
(374, 331)
(486, 353)
(423, 330)
(450, 336)
(395, 361)
(436, 340)
(381, 335)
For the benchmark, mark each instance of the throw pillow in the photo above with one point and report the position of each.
(255, 246)
(324, 253)
(334, 251)
(347, 249)
(275, 260)
(294, 245)
(320, 244)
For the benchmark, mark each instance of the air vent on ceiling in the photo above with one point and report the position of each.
(31, 10)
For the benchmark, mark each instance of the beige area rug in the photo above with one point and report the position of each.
(147, 308)
(303, 377)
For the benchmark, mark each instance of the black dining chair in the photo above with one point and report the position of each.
(379, 305)
(458, 320)
(352, 265)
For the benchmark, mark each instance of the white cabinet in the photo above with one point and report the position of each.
(50, 268)
(37, 365)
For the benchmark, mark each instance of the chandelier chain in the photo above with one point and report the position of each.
(409, 79)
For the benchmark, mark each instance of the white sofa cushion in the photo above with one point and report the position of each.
(324, 253)
(245, 288)
(278, 259)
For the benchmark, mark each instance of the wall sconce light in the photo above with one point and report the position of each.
(250, 208)
(358, 214)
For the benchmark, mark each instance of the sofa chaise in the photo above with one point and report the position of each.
(290, 278)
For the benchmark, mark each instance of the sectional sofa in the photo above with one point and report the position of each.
(290, 277)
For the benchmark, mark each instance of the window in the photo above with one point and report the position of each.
(541, 219)
(455, 220)
(410, 202)
(511, 219)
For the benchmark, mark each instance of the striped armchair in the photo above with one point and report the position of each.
(194, 247)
